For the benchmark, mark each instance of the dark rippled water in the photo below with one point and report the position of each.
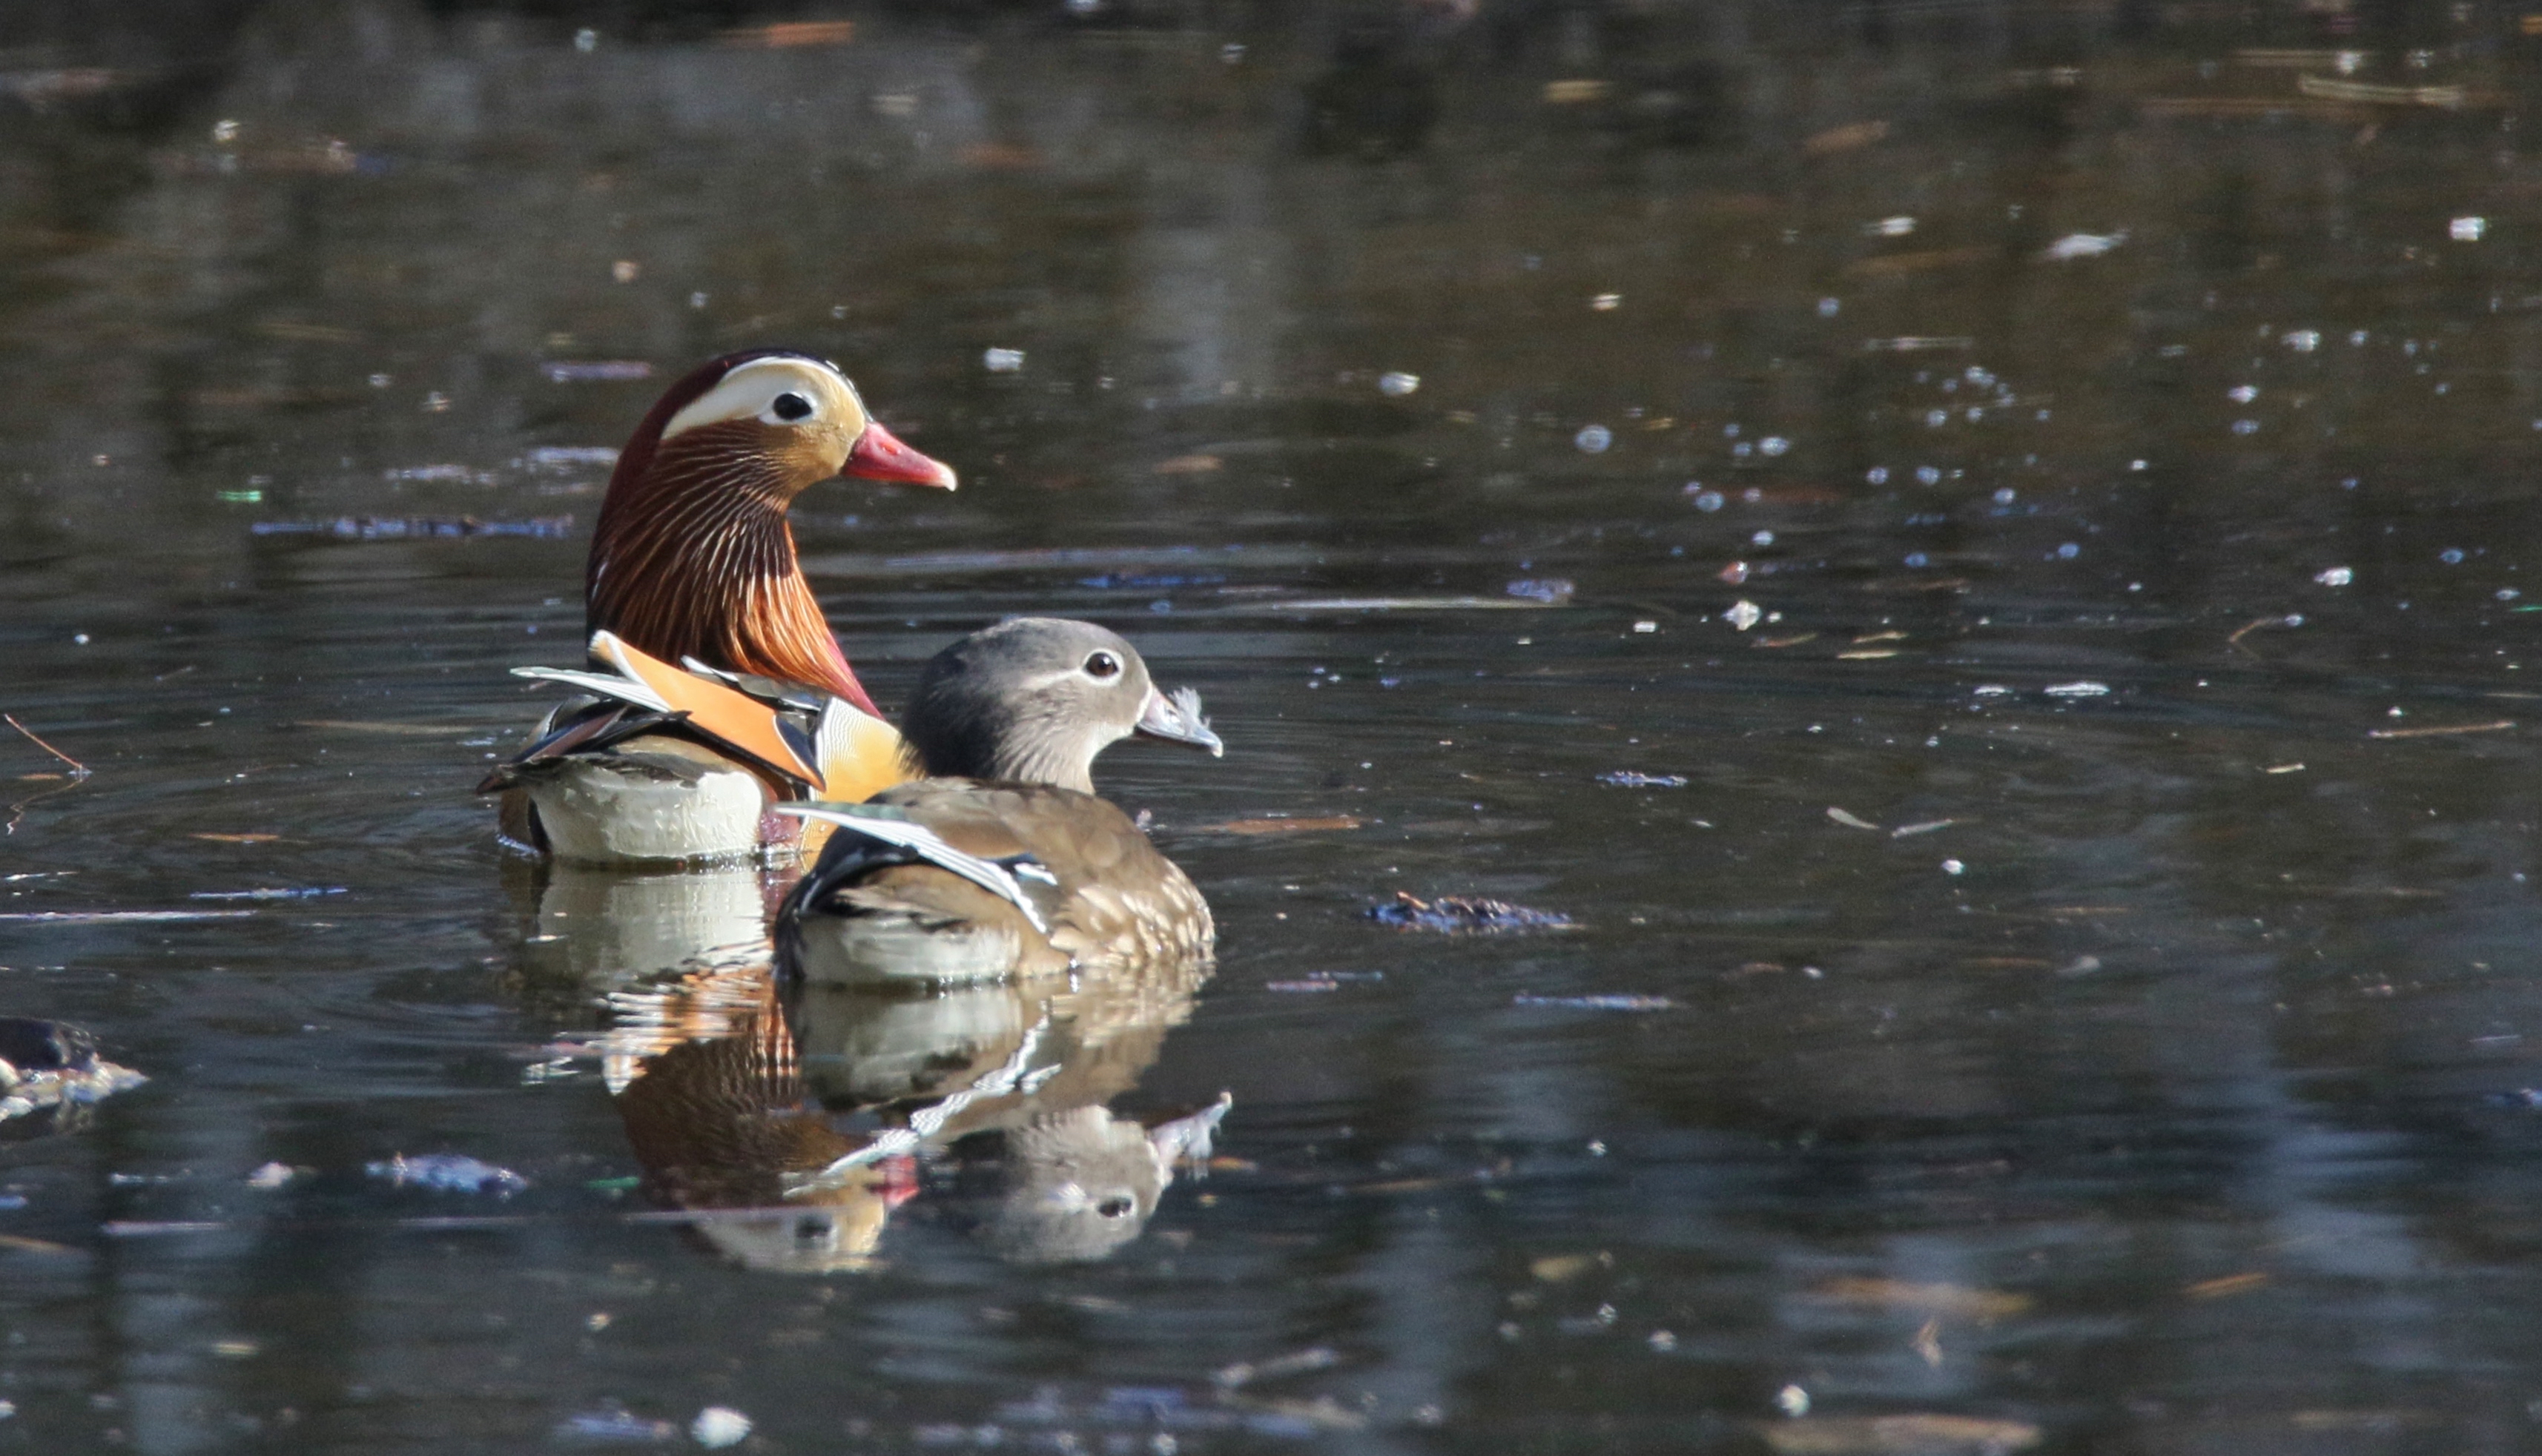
(2038, 493)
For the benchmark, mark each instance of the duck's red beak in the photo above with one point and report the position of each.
(880, 456)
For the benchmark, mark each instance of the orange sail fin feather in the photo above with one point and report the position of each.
(735, 720)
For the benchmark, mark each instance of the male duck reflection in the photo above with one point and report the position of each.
(693, 563)
(1002, 861)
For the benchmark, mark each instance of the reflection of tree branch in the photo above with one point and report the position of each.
(79, 775)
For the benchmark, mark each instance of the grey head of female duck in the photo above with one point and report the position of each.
(1034, 698)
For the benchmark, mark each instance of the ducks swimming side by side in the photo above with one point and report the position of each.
(718, 688)
(1002, 861)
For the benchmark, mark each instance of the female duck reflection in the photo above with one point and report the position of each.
(922, 962)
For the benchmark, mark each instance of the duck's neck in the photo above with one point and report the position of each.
(699, 563)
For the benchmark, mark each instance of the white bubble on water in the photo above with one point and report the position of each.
(1879, 475)
(1744, 613)
(1936, 418)
(1002, 361)
(2301, 341)
(1763, 538)
(2242, 394)
(1593, 439)
(2451, 555)
(1928, 474)
(719, 1425)
(2467, 229)
(1773, 445)
(2336, 576)
(2006, 495)
(1829, 307)
(1396, 383)
(1889, 226)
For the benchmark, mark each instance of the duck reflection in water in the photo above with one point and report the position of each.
(815, 1111)
(932, 1023)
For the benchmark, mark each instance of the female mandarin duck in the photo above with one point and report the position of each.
(1002, 861)
(693, 565)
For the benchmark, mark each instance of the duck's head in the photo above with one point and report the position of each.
(1034, 698)
(691, 557)
(771, 420)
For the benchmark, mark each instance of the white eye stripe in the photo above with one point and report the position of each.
(753, 391)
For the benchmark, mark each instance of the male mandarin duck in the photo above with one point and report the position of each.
(721, 688)
(1002, 861)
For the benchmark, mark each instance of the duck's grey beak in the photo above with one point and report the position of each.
(1177, 719)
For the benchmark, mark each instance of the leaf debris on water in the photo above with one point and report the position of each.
(1848, 818)
(1956, 1300)
(1910, 831)
(1595, 1003)
(1917, 1435)
(1630, 779)
(1458, 914)
(1279, 826)
(2226, 1287)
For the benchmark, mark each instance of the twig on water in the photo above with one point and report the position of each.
(78, 768)
(79, 775)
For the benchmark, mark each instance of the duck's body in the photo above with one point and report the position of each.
(1003, 861)
(724, 690)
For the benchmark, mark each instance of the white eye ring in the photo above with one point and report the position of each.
(1103, 667)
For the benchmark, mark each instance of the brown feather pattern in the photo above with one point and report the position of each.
(693, 557)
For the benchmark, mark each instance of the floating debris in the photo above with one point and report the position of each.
(1897, 1435)
(273, 1176)
(1002, 361)
(1595, 1003)
(1744, 615)
(1547, 589)
(1956, 1300)
(717, 1426)
(1910, 831)
(2336, 576)
(46, 1065)
(2446, 731)
(269, 894)
(447, 1173)
(1630, 778)
(570, 457)
(1397, 384)
(118, 918)
(2077, 690)
(1456, 915)
(586, 371)
(610, 1425)
(1844, 138)
(2226, 1287)
(1246, 1372)
(1277, 826)
(1849, 820)
(2082, 244)
(416, 528)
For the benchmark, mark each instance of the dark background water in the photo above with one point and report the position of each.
(2173, 1097)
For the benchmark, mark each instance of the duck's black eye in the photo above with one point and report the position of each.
(1116, 1206)
(1103, 667)
(791, 406)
